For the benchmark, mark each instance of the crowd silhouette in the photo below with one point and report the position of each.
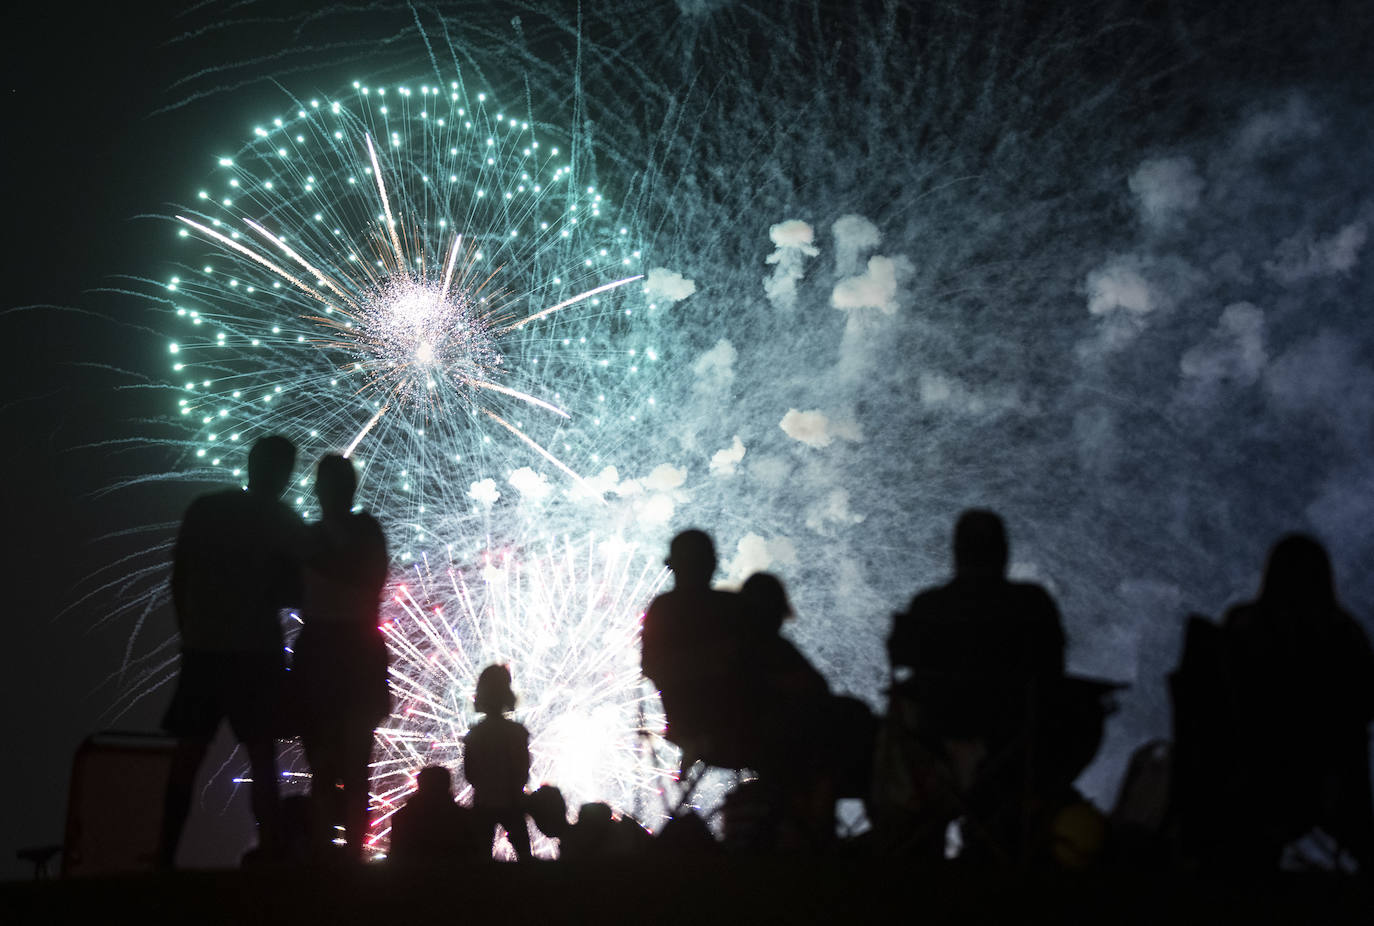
(974, 755)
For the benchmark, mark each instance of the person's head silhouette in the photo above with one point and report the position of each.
(335, 482)
(1298, 575)
(980, 545)
(765, 594)
(692, 557)
(493, 695)
(549, 810)
(434, 783)
(269, 465)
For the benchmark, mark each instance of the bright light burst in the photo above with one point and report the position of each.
(566, 621)
(415, 276)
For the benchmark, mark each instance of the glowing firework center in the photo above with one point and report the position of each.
(419, 336)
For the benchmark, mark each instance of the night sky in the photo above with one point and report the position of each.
(1074, 311)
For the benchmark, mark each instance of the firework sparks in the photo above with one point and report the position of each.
(407, 331)
(397, 275)
(566, 621)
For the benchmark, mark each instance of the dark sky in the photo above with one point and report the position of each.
(86, 152)
(81, 158)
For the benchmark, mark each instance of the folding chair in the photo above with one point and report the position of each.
(114, 806)
(921, 786)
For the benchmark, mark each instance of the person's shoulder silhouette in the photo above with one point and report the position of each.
(980, 623)
(236, 558)
(432, 826)
(690, 644)
(692, 629)
(778, 665)
(1299, 674)
(496, 759)
(235, 565)
(1297, 647)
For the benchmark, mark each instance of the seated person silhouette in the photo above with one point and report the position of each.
(599, 835)
(974, 644)
(690, 643)
(431, 827)
(980, 654)
(799, 725)
(549, 811)
(779, 666)
(791, 735)
(496, 761)
(1302, 694)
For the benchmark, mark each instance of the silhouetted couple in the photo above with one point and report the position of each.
(241, 557)
(737, 694)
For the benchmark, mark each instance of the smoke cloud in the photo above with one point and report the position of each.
(755, 553)
(875, 289)
(532, 486)
(1303, 257)
(854, 236)
(668, 286)
(715, 369)
(484, 492)
(794, 241)
(725, 462)
(816, 429)
(1166, 190)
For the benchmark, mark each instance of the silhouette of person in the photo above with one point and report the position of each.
(598, 834)
(1302, 678)
(984, 656)
(549, 811)
(690, 641)
(496, 760)
(784, 672)
(234, 567)
(432, 827)
(339, 672)
(784, 694)
(812, 745)
(975, 643)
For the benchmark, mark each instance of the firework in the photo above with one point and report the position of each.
(417, 278)
(565, 619)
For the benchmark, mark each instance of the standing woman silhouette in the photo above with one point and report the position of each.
(340, 669)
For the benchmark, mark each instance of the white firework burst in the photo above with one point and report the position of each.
(565, 619)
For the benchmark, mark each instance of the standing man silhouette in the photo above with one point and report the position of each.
(234, 568)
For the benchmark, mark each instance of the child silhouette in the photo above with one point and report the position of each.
(496, 760)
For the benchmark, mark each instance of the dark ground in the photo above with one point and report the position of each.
(703, 893)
